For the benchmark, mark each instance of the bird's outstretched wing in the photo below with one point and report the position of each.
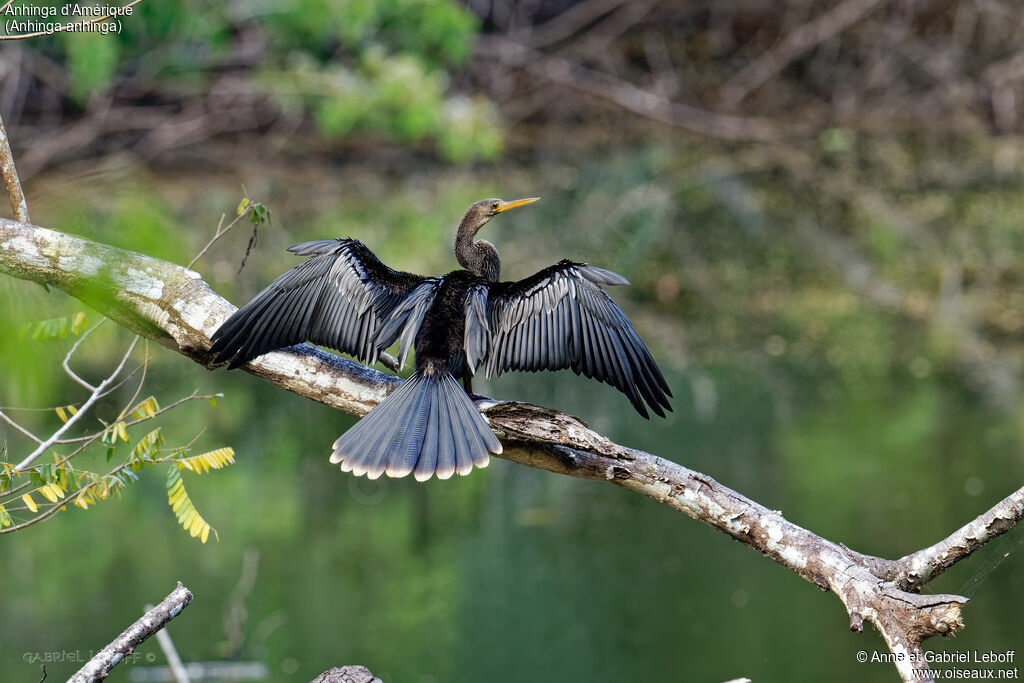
(561, 318)
(341, 297)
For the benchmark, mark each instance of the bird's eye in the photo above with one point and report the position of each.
(495, 205)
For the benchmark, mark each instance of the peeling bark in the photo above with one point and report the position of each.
(347, 674)
(174, 306)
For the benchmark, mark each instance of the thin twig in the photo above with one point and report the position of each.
(220, 233)
(71, 352)
(45, 515)
(138, 389)
(131, 423)
(97, 394)
(216, 236)
(21, 429)
(10, 174)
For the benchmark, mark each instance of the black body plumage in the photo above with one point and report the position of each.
(344, 297)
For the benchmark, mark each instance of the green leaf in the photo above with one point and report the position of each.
(53, 328)
(92, 60)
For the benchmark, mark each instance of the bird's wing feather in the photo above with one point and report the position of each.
(341, 297)
(477, 334)
(561, 318)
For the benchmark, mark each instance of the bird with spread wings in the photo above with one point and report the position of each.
(345, 298)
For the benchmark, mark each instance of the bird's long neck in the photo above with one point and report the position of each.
(477, 256)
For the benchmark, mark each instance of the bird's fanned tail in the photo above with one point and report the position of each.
(426, 426)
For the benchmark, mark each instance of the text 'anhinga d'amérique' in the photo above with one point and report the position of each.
(344, 297)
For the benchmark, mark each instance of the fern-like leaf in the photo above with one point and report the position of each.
(188, 517)
(213, 460)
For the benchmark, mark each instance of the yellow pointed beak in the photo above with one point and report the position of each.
(515, 203)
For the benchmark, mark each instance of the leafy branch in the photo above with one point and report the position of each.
(31, 492)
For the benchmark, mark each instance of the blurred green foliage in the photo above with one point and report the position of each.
(358, 68)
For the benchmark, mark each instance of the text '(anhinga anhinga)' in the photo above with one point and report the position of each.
(345, 298)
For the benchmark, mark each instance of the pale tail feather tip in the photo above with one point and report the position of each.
(382, 443)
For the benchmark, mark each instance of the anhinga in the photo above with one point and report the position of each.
(344, 297)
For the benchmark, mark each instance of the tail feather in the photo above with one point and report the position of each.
(445, 446)
(372, 440)
(427, 426)
(463, 446)
(427, 462)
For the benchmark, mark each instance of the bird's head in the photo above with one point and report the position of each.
(484, 210)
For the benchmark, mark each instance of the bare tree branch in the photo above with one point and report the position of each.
(647, 103)
(175, 307)
(98, 668)
(178, 672)
(797, 43)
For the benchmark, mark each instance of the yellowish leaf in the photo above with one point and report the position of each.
(30, 503)
(177, 497)
(217, 459)
(50, 492)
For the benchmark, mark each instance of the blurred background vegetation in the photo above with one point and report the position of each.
(818, 204)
